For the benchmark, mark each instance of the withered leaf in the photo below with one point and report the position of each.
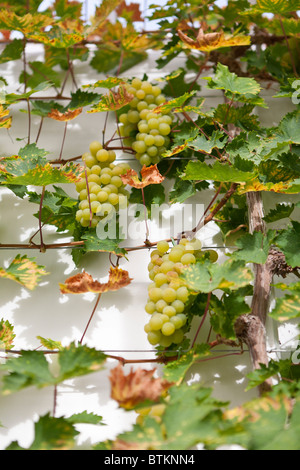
(207, 42)
(136, 387)
(66, 116)
(83, 282)
(150, 175)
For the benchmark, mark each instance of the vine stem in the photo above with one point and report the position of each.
(42, 246)
(63, 140)
(91, 316)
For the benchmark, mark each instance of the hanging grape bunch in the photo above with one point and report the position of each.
(145, 131)
(167, 297)
(105, 191)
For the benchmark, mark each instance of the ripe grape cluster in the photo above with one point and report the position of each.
(101, 191)
(145, 131)
(167, 297)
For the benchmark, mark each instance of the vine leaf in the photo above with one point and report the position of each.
(288, 241)
(241, 88)
(109, 82)
(216, 172)
(175, 104)
(269, 423)
(83, 282)
(191, 406)
(93, 243)
(130, 12)
(274, 6)
(281, 211)
(64, 116)
(113, 101)
(206, 277)
(175, 371)
(254, 247)
(207, 42)
(137, 387)
(25, 271)
(25, 23)
(5, 120)
(7, 335)
(31, 368)
(288, 306)
(149, 175)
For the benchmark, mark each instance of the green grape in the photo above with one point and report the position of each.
(150, 307)
(160, 305)
(102, 155)
(113, 199)
(149, 140)
(162, 246)
(169, 310)
(90, 161)
(164, 128)
(95, 146)
(154, 337)
(156, 322)
(139, 146)
(176, 321)
(168, 328)
(160, 279)
(155, 294)
(188, 258)
(145, 160)
(169, 294)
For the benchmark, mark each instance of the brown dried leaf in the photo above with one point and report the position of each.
(210, 41)
(83, 282)
(150, 175)
(136, 387)
(66, 116)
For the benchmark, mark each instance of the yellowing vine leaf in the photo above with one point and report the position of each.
(136, 387)
(26, 24)
(5, 121)
(207, 42)
(150, 175)
(66, 116)
(113, 101)
(24, 271)
(83, 282)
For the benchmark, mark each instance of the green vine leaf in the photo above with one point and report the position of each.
(25, 271)
(281, 211)
(288, 241)
(207, 276)
(254, 247)
(237, 88)
(175, 371)
(216, 172)
(31, 368)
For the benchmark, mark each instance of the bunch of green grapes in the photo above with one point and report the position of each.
(167, 297)
(145, 131)
(106, 190)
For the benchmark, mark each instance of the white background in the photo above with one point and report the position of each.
(118, 324)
